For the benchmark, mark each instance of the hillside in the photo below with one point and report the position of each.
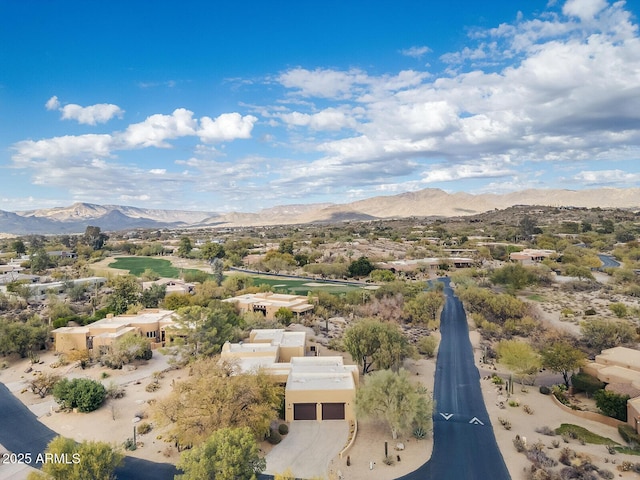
(422, 203)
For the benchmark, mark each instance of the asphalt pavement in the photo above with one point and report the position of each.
(22, 433)
(465, 447)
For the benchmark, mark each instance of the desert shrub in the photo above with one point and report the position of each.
(129, 444)
(144, 428)
(114, 390)
(612, 404)
(283, 429)
(152, 386)
(628, 434)
(606, 474)
(505, 423)
(546, 431)
(81, 393)
(419, 433)
(519, 444)
(274, 437)
(427, 346)
(566, 456)
(586, 383)
(539, 458)
(527, 409)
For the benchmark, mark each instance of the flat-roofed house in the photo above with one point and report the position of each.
(320, 388)
(530, 256)
(317, 388)
(619, 368)
(152, 323)
(269, 303)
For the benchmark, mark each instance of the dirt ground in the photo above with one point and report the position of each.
(114, 421)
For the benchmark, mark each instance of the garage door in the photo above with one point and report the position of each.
(333, 411)
(304, 411)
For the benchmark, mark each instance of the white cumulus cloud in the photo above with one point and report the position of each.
(584, 9)
(91, 115)
(228, 126)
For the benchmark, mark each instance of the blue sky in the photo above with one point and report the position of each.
(228, 106)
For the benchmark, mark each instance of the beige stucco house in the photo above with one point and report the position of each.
(619, 368)
(269, 303)
(317, 388)
(154, 324)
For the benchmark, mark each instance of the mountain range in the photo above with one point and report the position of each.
(423, 203)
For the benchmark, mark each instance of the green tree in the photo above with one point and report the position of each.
(152, 296)
(612, 404)
(126, 293)
(82, 393)
(208, 328)
(580, 272)
(514, 276)
(382, 276)
(374, 343)
(360, 267)
(286, 246)
(216, 396)
(19, 247)
(228, 454)
(284, 315)
(236, 283)
(40, 260)
(424, 308)
(126, 349)
(562, 357)
(94, 238)
(23, 337)
(393, 398)
(185, 247)
(82, 461)
(217, 270)
(519, 357)
(276, 262)
(527, 227)
(175, 301)
(211, 250)
(601, 334)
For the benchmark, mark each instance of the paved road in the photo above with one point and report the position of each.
(21, 432)
(608, 261)
(465, 447)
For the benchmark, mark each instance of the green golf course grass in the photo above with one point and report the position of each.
(137, 265)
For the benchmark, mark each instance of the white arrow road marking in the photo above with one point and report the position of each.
(476, 421)
(446, 416)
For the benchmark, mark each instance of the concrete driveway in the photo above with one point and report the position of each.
(308, 448)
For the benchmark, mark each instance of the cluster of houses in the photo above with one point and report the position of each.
(316, 388)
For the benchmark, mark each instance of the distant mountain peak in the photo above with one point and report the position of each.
(421, 203)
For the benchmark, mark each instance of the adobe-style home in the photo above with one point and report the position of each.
(152, 323)
(619, 368)
(530, 256)
(317, 388)
(269, 303)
